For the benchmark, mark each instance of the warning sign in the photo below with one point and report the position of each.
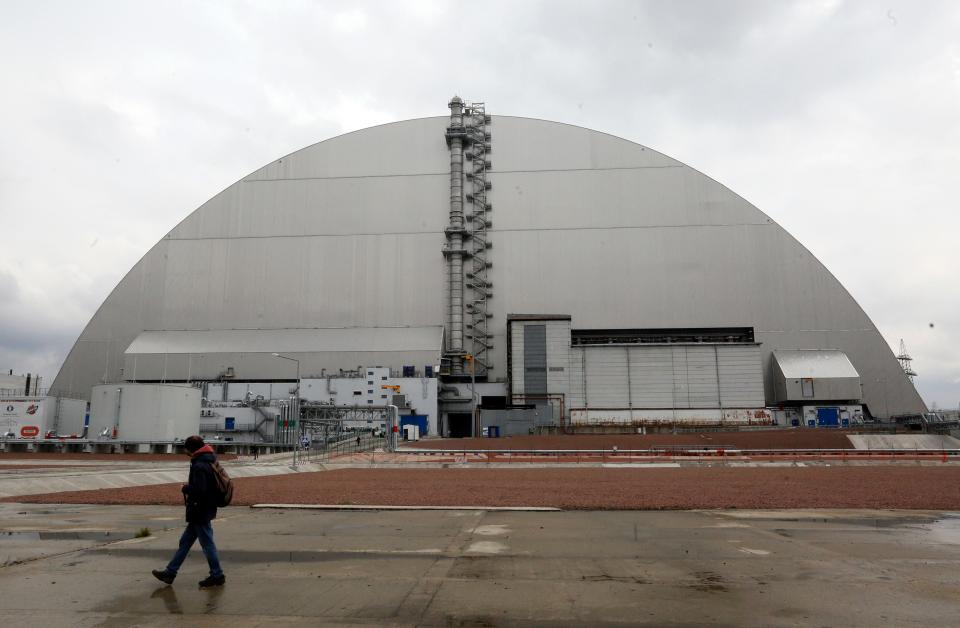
(29, 431)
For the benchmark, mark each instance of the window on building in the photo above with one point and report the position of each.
(806, 387)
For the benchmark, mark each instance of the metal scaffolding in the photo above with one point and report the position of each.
(906, 362)
(476, 122)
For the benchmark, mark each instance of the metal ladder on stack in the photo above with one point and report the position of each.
(476, 168)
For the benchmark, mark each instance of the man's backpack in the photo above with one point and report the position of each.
(224, 485)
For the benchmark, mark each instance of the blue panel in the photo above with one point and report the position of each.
(229, 423)
(828, 417)
(420, 420)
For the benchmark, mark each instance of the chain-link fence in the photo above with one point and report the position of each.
(329, 442)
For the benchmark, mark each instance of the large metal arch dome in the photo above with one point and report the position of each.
(348, 232)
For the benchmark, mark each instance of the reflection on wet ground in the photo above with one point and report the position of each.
(66, 535)
(743, 568)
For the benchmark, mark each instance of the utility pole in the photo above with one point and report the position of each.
(296, 408)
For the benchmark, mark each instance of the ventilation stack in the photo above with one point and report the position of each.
(467, 247)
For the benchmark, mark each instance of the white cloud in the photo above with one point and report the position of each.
(350, 21)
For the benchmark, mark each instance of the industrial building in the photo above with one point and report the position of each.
(487, 274)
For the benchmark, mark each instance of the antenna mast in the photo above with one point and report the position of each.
(906, 361)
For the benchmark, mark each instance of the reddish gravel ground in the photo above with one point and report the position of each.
(934, 488)
(22, 455)
(765, 439)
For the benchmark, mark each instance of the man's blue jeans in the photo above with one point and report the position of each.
(194, 531)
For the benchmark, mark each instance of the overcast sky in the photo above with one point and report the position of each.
(840, 120)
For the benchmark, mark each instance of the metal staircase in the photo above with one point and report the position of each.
(264, 417)
(476, 168)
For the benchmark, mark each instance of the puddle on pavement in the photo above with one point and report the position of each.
(862, 522)
(944, 531)
(65, 535)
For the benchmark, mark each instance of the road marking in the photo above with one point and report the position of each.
(487, 547)
(491, 530)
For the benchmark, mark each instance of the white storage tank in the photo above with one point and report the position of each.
(29, 418)
(144, 412)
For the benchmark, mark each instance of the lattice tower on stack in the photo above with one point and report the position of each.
(906, 362)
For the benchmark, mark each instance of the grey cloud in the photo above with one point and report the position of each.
(834, 120)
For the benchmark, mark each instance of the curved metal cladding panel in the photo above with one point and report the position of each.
(348, 233)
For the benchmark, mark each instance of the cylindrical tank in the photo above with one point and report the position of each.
(144, 412)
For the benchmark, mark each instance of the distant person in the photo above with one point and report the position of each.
(358, 441)
(256, 452)
(201, 495)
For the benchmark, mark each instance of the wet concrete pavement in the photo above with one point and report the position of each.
(477, 568)
(29, 477)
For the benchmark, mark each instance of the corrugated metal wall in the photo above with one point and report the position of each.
(741, 376)
(544, 346)
(535, 359)
(658, 376)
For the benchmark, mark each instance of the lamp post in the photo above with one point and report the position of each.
(296, 407)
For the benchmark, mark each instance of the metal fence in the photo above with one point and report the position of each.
(326, 445)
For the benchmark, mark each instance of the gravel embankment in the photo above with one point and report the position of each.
(907, 487)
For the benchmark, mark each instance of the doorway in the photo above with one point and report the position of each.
(460, 424)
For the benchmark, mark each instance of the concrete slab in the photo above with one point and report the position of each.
(904, 441)
(299, 568)
(81, 478)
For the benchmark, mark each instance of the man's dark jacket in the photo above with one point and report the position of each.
(200, 493)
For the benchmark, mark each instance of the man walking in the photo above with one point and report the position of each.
(201, 495)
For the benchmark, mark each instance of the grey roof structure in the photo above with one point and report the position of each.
(814, 363)
(353, 339)
(815, 375)
(349, 233)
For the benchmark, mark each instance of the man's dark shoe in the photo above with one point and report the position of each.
(212, 581)
(163, 575)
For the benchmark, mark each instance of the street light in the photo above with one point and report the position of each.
(296, 405)
(283, 357)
